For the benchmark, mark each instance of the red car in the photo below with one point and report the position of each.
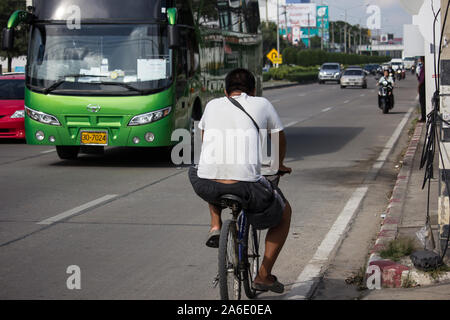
(12, 92)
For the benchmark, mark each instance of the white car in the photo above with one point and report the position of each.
(409, 62)
(396, 64)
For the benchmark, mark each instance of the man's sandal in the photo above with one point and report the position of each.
(213, 239)
(276, 286)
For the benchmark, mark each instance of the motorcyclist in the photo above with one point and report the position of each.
(391, 82)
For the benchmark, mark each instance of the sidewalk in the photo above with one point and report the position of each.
(278, 84)
(405, 215)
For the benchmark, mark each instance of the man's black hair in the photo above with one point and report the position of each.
(240, 80)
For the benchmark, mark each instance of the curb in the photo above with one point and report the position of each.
(287, 85)
(280, 86)
(392, 272)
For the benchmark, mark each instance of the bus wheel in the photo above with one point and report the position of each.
(68, 153)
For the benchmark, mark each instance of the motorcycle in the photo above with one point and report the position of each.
(403, 74)
(385, 97)
(413, 70)
(398, 74)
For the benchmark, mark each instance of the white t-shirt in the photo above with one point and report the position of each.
(388, 79)
(231, 149)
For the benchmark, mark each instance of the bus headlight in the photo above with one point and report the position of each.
(150, 117)
(42, 117)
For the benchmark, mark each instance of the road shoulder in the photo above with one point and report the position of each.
(343, 279)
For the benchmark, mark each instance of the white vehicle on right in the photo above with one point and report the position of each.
(396, 64)
(409, 62)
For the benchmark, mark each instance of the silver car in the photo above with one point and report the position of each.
(354, 78)
(329, 72)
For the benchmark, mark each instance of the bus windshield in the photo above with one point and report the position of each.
(103, 59)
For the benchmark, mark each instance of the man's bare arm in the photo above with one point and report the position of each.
(282, 151)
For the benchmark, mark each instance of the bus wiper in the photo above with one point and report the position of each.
(120, 84)
(60, 82)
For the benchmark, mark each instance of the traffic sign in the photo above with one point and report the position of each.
(275, 57)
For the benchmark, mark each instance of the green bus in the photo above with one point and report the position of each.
(113, 73)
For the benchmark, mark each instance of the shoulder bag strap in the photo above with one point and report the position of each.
(238, 105)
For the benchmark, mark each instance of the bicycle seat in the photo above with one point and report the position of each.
(233, 202)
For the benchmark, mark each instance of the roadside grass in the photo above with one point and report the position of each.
(358, 279)
(440, 271)
(409, 282)
(398, 248)
(413, 127)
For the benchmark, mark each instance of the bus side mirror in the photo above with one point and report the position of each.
(174, 36)
(7, 39)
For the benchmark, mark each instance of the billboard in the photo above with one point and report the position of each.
(304, 21)
(301, 15)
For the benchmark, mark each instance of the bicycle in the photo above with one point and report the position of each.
(239, 258)
(238, 252)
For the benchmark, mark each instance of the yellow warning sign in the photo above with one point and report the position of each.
(275, 57)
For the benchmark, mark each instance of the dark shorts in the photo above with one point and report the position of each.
(265, 201)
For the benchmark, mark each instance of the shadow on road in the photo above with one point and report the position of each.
(124, 157)
(309, 141)
(13, 141)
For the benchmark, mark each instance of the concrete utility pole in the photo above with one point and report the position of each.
(321, 38)
(444, 205)
(360, 37)
(267, 11)
(309, 34)
(345, 31)
(278, 28)
(332, 36)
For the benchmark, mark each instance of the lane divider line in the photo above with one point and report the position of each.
(313, 270)
(77, 210)
(48, 151)
(388, 147)
(290, 124)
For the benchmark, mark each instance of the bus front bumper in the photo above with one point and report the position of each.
(157, 134)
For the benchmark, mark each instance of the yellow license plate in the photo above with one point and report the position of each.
(94, 138)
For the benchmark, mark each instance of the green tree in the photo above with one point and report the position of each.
(315, 42)
(7, 7)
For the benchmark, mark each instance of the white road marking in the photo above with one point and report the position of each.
(363, 95)
(346, 101)
(48, 151)
(307, 279)
(313, 270)
(275, 101)
(290, 124)
(302, 95)
(327, 109)
(389, 146)
(76, 210)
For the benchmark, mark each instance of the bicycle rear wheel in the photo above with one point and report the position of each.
(229, 278)
(251, 260)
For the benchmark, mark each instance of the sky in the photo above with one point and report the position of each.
(393, 16)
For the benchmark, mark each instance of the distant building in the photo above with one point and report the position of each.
(17, 63)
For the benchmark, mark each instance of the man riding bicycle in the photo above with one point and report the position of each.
(224, 124)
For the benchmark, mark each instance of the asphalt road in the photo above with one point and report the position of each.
(133, 225)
